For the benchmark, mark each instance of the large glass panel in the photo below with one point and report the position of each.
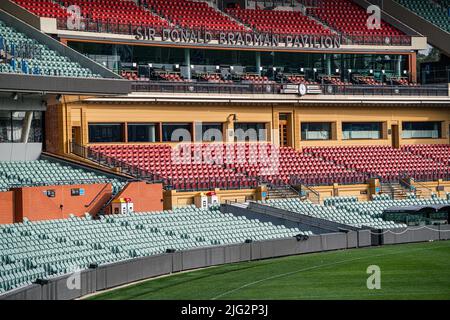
(176, 132)
(106, 132)
(36, 130)
(250, 131)
(143, 132)
(316, 131)
(418, 130)
(17, 125)
(5, 126)
(210, 132)
(361, 130)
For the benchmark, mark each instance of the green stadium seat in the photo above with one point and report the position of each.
(48, 248)
(431, 11)
(40, 59)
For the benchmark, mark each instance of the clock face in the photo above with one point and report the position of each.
(302, 89)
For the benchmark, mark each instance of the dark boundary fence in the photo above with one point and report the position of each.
(109, 276)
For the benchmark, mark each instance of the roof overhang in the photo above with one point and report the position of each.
(63, 85)
(258, 99)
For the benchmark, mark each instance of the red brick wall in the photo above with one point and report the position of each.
(6, 207)
(33, 202)
(145, 197)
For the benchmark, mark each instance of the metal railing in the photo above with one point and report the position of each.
(111, 27)
(276, 88)
(386, 90)
(311, 194)
(113, 163)
(249, 182)
(418, 176)
(418, 188)
(378, 40)
(207, 184)
(184, 184)
(27, 183)
(327, 179)
(205, 87)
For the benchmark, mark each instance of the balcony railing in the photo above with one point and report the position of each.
(276, 88)
(97, 26)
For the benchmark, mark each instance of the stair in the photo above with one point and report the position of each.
(281, 192)
(395, 190)
(222, 12)
(317, 20)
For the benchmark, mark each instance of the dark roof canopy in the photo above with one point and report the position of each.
(419, 209)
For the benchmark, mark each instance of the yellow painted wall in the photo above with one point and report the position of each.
(387, 115)
(434, 184)
(174, 199)
(81, 113)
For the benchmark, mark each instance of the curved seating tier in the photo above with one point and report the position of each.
(27, 56)
(45, 172)
(46, 249)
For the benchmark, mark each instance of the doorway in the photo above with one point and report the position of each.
(76, 135)
(395, 136)
(285, 129)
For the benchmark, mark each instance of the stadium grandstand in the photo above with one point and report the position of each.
(140, 138)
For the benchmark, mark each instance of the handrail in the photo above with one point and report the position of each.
(186, 184)
(422, 186)
(310, 189)
(414, 187)
(110, 162)
(96, 196)
(59, 182)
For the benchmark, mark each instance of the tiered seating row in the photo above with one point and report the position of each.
(344, 16)
(438, 152)
(44, 8)
(238, 165)
(383, 161)
(194, 15)
(350, 19)
(27, 56)
(178, 167)
(46, 249)
(47, 172)
(116, 11)
(278, 22)
(352, 212)
(430, 11)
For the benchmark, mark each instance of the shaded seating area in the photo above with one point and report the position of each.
(25, 55)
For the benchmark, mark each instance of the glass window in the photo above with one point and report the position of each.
(210, 132)
(12, 125)
(5, 126)
(17, 125)
(316, 131)
(176, 132)
(250, 131)
(143, 132)
(36, 132)
(418, 130)
(106, 132)
(361, 130)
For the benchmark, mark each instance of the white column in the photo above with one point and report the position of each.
(26, 127)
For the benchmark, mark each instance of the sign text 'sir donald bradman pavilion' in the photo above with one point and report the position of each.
(239, 38)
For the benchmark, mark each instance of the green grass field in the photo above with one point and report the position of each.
(412, 271)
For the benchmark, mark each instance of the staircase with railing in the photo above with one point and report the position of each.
(113, 163)
(420, 190)
(394, 189)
